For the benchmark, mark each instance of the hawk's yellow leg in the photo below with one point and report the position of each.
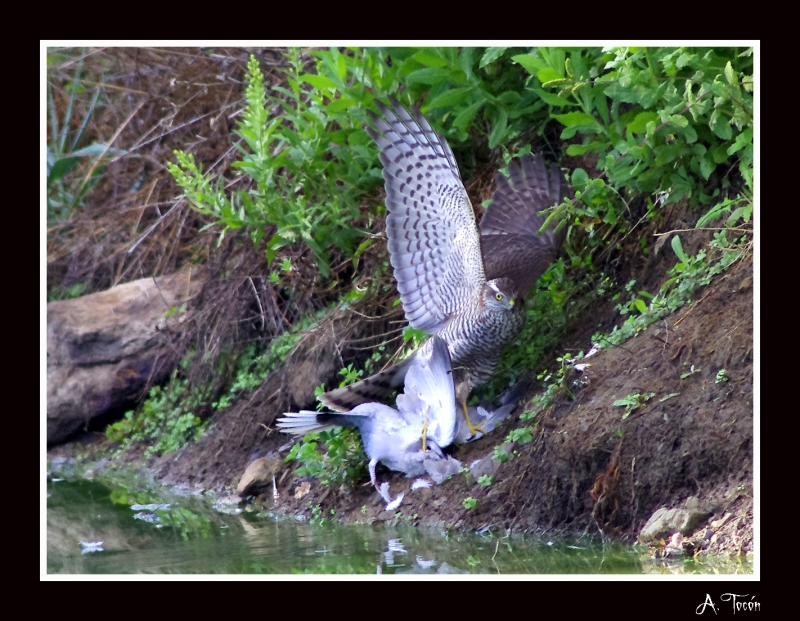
(473, 429)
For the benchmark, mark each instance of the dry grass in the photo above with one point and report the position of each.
(129, 225)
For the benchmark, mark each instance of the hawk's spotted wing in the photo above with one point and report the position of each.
(434, 243)
(510, 241)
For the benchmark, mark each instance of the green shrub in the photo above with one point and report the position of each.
(165, 420)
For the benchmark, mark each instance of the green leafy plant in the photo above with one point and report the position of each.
(317, 518)
(469, 503)
(500, 455)
(486, 480)
(67, 293)
(522, 435)
(690, 372)
(252, 369)
(722, 377)
(661, 119)
(334, 456)
(633, 402)
(686, 276)
(165, 420)
(309, 163)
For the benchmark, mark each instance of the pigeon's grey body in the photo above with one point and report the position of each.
(391, 436)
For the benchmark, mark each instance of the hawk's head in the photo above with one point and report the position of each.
(500, 294)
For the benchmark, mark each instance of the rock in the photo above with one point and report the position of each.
(675, 546)
(259, 474)
(104, 349)
(666, 522)
(302, 490)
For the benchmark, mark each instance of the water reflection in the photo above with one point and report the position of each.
(133, 532)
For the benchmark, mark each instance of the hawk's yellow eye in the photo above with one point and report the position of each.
(499, 296)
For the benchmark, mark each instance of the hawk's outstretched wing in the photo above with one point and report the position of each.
(434, 243)
(510, 241)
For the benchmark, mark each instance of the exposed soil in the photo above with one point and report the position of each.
(586, 470)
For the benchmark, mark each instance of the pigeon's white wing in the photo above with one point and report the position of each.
(430, 378)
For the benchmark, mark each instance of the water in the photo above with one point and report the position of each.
(142, 534)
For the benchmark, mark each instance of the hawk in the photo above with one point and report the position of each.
(459, 281)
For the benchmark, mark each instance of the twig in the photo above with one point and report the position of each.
(107, 147)
(695, 305)
(155, 224)
(261, 308)
(724, 228)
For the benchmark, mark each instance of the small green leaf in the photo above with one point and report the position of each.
(98, 149)
(742, 140)
(499, 129)
(490, 55)
(449, 97)
(509, 98)
(61, 168)
(640, 121)
(573, 119)
(677, 247)
(720, 125)
(337, 105)
(707, 165)
(529, 62)
(720, 153)
(429, 75)
(361, 248)
(730, 74)
(580, 149)
(689, 133)
(319, 81)
(552, 99)
(579, 178)
(548, 74)
(679, 120)
(428, 59)
(465, 117)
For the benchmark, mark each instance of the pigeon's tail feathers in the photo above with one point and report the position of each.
(306, 421)
(302, 422)
(376, 388)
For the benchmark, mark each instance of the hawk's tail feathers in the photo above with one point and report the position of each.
(375, 388)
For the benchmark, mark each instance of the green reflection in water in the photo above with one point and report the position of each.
(189, 536)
